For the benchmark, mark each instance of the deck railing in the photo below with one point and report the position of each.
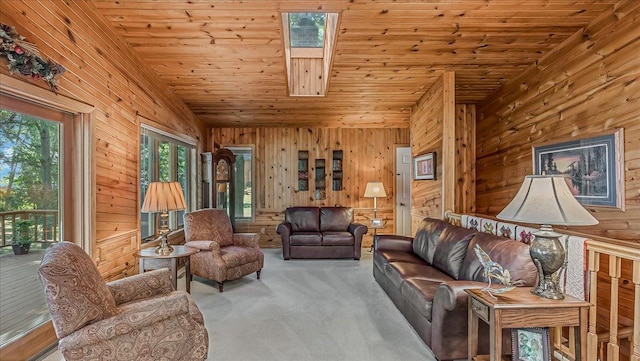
(44, 229)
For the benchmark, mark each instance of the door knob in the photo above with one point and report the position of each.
(402, 204)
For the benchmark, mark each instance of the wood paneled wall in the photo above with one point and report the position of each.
(433, 129)
(368, 156)
(587, 86)
(104, 72)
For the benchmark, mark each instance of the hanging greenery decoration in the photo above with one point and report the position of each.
(23, 57)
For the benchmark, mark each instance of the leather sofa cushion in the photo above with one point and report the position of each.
(510, 254)
(426, 238)
(337, 239)
(400, 256)
(419, 293)
(303, 219)
(306, 239)
(397, 272)
(335, 219)
(451, 249)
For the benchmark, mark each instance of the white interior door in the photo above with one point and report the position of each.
(403, 191)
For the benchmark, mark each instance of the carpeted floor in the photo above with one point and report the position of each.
(306, 310)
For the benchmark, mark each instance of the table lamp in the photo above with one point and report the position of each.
(375, 190)
(547, 200)
(163, 197)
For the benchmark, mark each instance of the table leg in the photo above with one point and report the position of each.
(472, 335)
(580, 334)
(187, 274)
(495, 336)
(174, 272)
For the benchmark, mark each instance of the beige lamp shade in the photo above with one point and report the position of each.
(546, 199)
(374, 189)
(163, 197)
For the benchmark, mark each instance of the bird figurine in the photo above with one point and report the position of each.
(495, 270)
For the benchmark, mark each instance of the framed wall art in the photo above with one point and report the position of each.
(424, 166)
(530, 344)
(594, 167)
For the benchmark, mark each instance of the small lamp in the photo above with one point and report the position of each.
(547, 200)
(163, 197)
(375, 190)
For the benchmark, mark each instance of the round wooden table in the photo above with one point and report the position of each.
(150, 260)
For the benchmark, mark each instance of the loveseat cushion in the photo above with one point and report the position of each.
(306, 239)
(331, 238)
(419, 293)
(397, 272)
(510, 254)
(303, 219)
(451, 249)
(234, 256)
(426, 238)
(335, 219)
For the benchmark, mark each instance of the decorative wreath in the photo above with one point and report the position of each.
(23, 57)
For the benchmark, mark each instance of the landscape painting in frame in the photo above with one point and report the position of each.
(592, 165)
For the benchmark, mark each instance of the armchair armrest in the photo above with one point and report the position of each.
(391, 242)
(141, 286)
(246, 239)
(134, 316)
(204, 245)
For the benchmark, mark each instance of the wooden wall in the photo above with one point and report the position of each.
(433, 129)
(104, 72)
(368, 156)
(587, 86)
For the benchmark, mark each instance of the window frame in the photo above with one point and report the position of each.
(175, 141)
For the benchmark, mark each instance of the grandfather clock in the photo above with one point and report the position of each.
(223, 188)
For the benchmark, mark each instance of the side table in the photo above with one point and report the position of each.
(375, 233)
(519, 308)
(170, 261)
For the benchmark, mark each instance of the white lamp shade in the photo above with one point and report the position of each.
(546, 199)
(374, 189)
(163, 197)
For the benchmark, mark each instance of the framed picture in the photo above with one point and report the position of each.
(376, 222)
(424, 166)
(594, 166)
(530, 344)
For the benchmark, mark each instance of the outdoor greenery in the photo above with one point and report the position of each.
(29, 162)
(23, 234)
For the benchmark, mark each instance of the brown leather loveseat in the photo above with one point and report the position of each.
(320, 232)
(426, 276)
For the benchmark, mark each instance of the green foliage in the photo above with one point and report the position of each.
(29, 162)
(23, 234)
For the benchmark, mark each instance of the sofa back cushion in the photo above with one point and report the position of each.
(303, 219)
(510, 254)
(335, 219)
(426, 238)
(451, 249)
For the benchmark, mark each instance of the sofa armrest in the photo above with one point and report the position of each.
(284, 230)
(451, 295)
(391, 242)
(357, 229)
(135, 316)
(246, 239)
(141, 286)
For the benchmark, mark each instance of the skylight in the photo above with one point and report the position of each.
(308, 43)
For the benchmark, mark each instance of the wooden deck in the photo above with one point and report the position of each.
(22, 301)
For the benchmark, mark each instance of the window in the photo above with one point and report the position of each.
(243, 178)
(163, 158)
(307, 29)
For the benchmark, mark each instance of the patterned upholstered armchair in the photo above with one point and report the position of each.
(135, 318)
(223, 255)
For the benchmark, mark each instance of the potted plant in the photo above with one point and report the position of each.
(22, 236)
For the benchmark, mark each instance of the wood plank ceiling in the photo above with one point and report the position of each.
(225, 59)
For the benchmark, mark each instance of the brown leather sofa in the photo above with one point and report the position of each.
(426, 276)
(320, 232)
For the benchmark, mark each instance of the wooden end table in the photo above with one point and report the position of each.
(519, 308)
(150, 260)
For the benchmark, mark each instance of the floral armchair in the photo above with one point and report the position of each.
(136, 318)
(223, 255)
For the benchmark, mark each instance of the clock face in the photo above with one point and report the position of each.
(222, 170)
